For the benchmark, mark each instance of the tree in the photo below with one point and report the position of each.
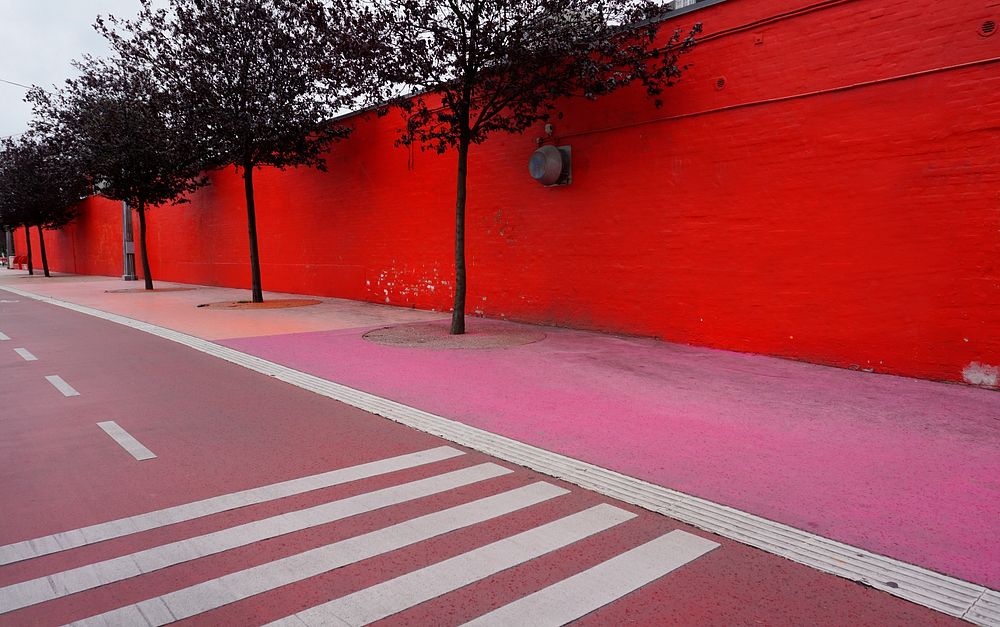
(11, 207)
(259, 80)
(126, 133)
(487, 66)
(13, 211)
(40, 186)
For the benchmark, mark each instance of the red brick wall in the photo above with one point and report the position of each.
(92, 244)
(837, 201)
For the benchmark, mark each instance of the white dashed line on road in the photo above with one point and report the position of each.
(61, 385)
(3, 338)
(101, 532)
(243, 584)
(581, 594)
(393, 596)
(126, 441)
(25, 354)
(68, 582)
(572, 597)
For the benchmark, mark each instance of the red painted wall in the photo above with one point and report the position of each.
(92, 244)
(836, 201)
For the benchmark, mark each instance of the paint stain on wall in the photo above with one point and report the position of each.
(985, 375)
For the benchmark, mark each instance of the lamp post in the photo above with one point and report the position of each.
(9, 244)
(128, 244)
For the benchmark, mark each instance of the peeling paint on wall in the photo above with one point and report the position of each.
(406, 285)
(985, 375)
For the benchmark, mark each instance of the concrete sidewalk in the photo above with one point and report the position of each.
(901, 467)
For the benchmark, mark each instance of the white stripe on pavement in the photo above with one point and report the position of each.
(126, 440)
(595, 587)
(68, 582)
(25, 354)
(62, 386)
(66, 540)
(3, 338)
(230, 588)
(393, 596)
(986, 611)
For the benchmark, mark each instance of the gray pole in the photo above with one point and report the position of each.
(10, 241)
(128, 244)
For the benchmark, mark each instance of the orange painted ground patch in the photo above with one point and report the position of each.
(267, 304)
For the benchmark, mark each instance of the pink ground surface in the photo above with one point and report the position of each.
(902, 467)
(217, 428)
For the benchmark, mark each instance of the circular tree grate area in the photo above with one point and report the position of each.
(479, 334)
(140, 290)
(281, 303)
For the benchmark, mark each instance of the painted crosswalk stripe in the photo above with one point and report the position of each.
(3, 338)
(66, 540)
(393, 596)
(230, 588)
(68, 582)
(25, 354)
(126, 440)
(595, 587)
(62, 386)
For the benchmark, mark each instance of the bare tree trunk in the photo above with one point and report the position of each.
(458, 310)
(146, 274)
(27, 236)
(41, 245)
(258, 293)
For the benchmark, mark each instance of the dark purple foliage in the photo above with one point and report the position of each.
(257, 80)
(483, 66)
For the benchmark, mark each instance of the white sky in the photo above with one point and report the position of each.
(38, 39)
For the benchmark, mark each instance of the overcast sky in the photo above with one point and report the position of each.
(38, 39)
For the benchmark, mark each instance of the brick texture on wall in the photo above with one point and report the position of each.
(823, 184)
(92, 244)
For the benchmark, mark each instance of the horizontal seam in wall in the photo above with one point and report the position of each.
(779, 99)
(780, 17)
(664, 19)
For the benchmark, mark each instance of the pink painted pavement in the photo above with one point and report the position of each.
(218, 428)
(905, 468)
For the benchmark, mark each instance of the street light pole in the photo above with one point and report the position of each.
(9, 241)
(128, 244)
